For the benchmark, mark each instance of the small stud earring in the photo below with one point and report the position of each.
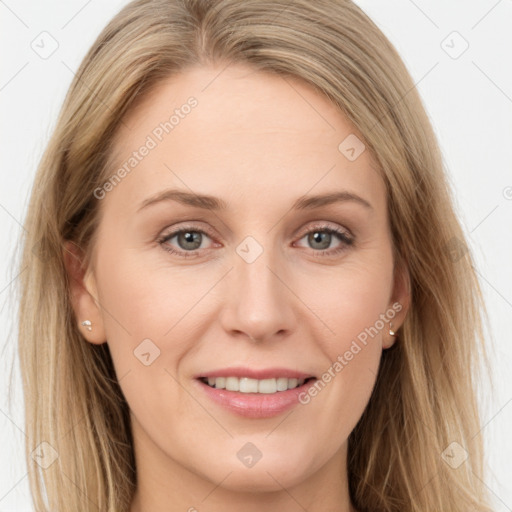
(87, 323)
(391, 332)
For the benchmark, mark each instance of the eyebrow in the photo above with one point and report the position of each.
(208, 202)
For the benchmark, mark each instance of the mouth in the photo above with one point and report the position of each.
(255, 398)
(255, 386)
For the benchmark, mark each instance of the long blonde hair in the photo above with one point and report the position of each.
(425, 395)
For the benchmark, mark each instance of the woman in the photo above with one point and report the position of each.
(253, 368)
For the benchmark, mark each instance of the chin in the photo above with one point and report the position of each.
(265, 479)
(269, 474)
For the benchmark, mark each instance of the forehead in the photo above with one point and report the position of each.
(239, 132)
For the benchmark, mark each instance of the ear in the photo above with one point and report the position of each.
(400, 302)
(83, 294)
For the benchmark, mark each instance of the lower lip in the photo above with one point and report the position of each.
(256, 405)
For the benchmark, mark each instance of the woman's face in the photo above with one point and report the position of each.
(247, 279)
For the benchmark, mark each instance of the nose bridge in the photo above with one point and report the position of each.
(260, 305)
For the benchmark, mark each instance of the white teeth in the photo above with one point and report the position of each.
(247, 385)
(232, 383)
(282, 384)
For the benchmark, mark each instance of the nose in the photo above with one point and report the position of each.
(259, 305)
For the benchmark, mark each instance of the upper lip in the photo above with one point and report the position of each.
(253, 373)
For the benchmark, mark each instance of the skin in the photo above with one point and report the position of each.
(259, 142)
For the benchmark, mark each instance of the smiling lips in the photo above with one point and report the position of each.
(255, 393)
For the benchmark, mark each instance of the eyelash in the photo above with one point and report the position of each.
(346, 239)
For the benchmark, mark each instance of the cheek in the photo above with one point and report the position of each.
(147, 312)
(144, 300)
(149, 321)
(354, 347)
(350, 301)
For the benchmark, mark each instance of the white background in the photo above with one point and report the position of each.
(469, 101)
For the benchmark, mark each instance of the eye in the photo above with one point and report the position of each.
(189, 240)
(321, 236)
